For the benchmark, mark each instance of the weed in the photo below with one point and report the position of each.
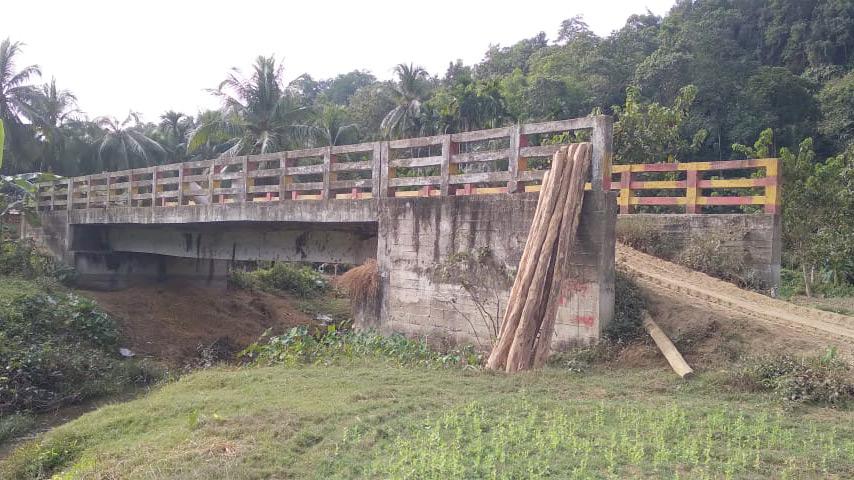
(302, 281)
(300, 345)
(822, 380)
(14, 425)
(629, 305)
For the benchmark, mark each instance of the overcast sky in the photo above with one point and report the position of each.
(155, 55)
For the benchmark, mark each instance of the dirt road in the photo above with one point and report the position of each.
(836, 329)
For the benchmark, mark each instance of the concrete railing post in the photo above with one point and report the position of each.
(602, 140)
(513, 160)
(626, 191)
(445, 167)
(376, 170)
(153, 187)
(385, 172)
(691, 191)
(774, 180)
(327, 173)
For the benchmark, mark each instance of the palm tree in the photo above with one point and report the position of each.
(124, 145)
(15, 97)
(258, 114)
(333, 126)
(174, 128)
(409, 92)
(51, 108)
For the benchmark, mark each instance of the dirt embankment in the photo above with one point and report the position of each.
(169, 321)
(712, 321)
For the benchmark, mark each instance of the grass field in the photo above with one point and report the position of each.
(383, 421)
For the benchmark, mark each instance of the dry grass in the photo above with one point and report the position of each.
(362, 282)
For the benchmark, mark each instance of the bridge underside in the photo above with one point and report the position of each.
(414, 240)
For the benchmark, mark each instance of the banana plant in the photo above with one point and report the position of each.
(18, 192)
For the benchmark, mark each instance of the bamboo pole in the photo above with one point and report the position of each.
(522, 283)
(674, 358)
(569, 227)
(518, 358)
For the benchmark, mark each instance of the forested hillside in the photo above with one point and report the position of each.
(686, 86)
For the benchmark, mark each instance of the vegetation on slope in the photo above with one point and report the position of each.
(56, 347)
(368, 421)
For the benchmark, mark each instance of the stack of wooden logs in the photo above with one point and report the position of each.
(525, 337)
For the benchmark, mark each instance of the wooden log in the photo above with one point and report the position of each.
(569, 227)
(525, 272)
(519, 356)
(674, 358)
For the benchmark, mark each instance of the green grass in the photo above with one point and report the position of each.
(369, 421)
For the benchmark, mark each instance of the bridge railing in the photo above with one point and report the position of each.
(510, 159)
(694, 185)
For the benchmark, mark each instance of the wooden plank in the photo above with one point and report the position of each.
(305, 170)
(674, 358)
(306, 153)
(304, 186)
(269, 172)
(415, 142)
(414, 181)
(657, 184)
(480, 135)
(416, 162)
(582, 123)
(355, 148)
(661, 201)
(735, 183)
(746, 200)
(539, 151)
(481, 177)
(351, 166)
(472, 157)
(263, 189)
(359, 183)
(531, 175)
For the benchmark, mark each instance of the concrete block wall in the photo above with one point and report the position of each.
(756, 238)
(418, 235)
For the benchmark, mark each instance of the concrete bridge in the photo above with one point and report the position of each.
(431, 211)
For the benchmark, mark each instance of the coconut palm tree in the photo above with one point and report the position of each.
(409, 93)
(333, 126)
(15, 97)
(173, 129)
(124, 145)
(51, 108)
(258, 114)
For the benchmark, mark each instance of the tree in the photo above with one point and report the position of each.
(369, 106)
(342, 88)
(258, 115)
(651, 132)
(16, 94)
(51, 109)
(817, 206)
(174, 127)
(408, 94)
(837, 109)
(124, 146)
(333, 126)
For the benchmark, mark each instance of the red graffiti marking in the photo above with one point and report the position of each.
(584, 320)
(573, 286)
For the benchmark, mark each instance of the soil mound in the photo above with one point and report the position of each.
(171, 321)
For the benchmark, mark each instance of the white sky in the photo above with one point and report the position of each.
(154, 55)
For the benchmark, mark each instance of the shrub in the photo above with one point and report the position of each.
(58, 349)
(819, 380)
(24, 259)
(640, 235)
(710, 256)
(302, 281)
(629, 305)
(301, 345)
